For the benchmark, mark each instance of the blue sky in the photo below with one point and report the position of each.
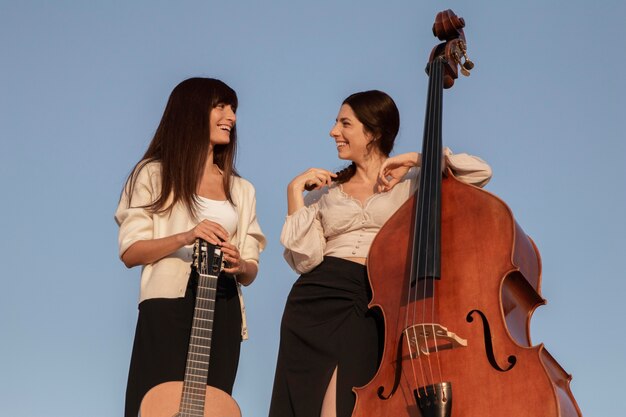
(83, 86)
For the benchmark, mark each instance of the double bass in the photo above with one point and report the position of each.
(457, 280)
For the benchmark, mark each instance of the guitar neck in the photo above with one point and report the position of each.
(199, 353)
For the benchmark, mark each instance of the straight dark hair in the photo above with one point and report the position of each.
(381, 119)
(181, 144)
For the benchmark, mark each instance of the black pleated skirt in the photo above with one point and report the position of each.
(326, 324)
(162, 340)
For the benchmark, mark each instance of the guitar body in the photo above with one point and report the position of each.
(164, 401)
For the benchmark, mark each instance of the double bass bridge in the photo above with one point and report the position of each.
(425, 338)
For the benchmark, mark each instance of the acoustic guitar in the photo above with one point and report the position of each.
(193, 397)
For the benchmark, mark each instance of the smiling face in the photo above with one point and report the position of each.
(221, 120)
(350, 135)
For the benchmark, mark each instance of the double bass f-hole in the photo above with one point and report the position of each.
(512, 360)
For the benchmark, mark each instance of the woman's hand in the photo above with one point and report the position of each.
(244, 271)
(311, 179)
(144, 252)
(395, 168)
(235, 265)
(210, 231)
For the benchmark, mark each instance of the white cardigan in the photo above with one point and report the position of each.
(167, 278)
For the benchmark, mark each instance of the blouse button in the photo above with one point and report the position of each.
(354, 252)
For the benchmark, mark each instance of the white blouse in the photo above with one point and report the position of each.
(334, 224)
(221, 212)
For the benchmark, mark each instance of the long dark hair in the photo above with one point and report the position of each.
(181, 144)
(381, 119)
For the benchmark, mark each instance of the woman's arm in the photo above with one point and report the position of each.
(302, 234)
(317, 177)
(467, 168)
(395, 168)
(144, 252)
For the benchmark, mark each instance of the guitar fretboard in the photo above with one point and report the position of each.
(197, 368)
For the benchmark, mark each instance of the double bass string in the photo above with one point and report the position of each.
(417, 240)
(436, 178)
(416, 252)
(432, 164)
(433, 167)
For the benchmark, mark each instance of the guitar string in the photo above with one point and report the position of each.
(206, 284)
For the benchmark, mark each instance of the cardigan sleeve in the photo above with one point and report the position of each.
(303, 236)
(135, 222)
(254, 240)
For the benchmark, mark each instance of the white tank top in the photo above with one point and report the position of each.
(221, 212)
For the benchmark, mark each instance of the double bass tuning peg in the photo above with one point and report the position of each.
(466, 67)
(467, 64)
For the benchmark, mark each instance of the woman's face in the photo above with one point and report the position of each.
(350, 136)
(221, 121)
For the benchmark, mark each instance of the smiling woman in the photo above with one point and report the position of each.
(330, 340)
(186, 187)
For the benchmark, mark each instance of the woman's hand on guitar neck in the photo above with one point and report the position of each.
(244, 271)
(144, 252)
(210, 231)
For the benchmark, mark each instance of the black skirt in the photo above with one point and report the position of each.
(162, 340)
(326, 324)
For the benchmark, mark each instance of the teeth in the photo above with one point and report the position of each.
(227, 128)
(341, 144)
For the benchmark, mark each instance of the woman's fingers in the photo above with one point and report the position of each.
(233, 259)
(230, 250)
(210, 231)
(382, 176)
(318, 177)
(390, 174)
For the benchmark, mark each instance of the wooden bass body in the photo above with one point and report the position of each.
(488, 291)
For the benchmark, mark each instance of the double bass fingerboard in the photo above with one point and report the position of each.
(427, 233)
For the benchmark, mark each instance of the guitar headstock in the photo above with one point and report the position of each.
(207, 258)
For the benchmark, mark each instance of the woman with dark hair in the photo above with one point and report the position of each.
(329, 339)
(186, 187)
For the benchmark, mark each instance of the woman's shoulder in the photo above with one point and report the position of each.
(241, 190)
(241, 183)
(148, 168)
